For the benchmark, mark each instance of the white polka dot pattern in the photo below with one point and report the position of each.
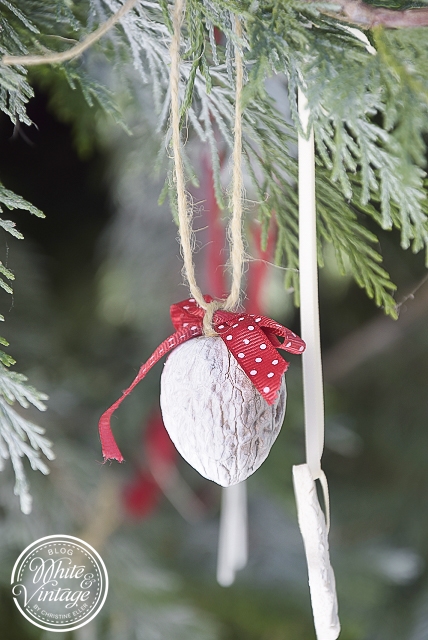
(244, 341)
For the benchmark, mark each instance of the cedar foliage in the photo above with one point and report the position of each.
(368, 102)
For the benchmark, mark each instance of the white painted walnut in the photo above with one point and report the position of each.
(214, 415)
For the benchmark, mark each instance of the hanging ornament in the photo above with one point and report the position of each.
(223, 389)
(223, 398)
(313, 524)
(245, 342)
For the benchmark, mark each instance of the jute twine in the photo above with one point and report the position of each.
(185, 212)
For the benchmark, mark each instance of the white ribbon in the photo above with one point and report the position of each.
(312, 522)
(232, 542)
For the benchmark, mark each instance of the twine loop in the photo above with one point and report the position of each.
(185, 213)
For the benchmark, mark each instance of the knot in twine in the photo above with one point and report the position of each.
(210, 308)
(207, 324)
(185, 212)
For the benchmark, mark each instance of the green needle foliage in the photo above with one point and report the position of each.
(19, 437)
(367, 94)
(368, 108)
(368, 104)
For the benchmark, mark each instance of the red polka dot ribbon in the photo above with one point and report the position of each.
(251, 339)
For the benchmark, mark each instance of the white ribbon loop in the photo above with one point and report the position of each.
(315, 538)
(313, 525)
(309, 309)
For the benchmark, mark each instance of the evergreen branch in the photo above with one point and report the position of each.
(5, 358)
(367, 15)
(13, 201)
(25, 21)
(5, 286)
(13, 388)
(338, 224)
(18, 436)
(56, 58)
(349, 93)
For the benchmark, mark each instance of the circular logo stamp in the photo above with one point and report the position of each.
(59, 583)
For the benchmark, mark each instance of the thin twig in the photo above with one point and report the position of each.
(353, 11)
(368, 16)
(373, 338)
(250, 258)
(55, 58)
(411, 295)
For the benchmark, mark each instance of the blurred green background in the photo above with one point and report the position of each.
(94, 282)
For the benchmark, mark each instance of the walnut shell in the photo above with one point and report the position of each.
(213, 413)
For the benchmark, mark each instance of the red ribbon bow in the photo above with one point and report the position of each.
(251, 339)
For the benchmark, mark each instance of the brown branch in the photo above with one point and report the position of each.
(411, 295)
(365, 15)
(55, 58)
(375, 337)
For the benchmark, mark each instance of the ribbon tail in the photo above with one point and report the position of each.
(108, 444)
